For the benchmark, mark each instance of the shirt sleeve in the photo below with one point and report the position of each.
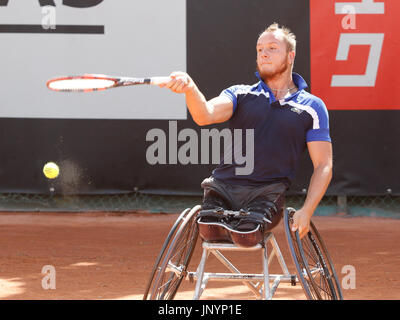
(320, 127)
(232, 93)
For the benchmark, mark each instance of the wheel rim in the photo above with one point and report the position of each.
(296, 256)
(317, 271)
(173, 267)
(163, 251)
(335, 286)
(313, 263)
(170, 281)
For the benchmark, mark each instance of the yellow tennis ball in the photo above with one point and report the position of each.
(51, 170)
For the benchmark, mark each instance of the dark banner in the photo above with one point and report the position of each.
(114, 155)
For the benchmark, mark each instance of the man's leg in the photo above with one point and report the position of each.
(209, 218)
(269, 208)
(268, 201)
(214, 196)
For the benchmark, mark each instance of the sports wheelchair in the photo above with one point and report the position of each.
(314, 267)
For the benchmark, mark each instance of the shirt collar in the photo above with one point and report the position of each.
(297, 79)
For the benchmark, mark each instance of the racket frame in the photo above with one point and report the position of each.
(118, 82)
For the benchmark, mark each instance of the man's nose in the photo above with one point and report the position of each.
(265, 53)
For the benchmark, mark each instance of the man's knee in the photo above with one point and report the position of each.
(213, 200)
(264, 207)
(271, 210)
(214, 196)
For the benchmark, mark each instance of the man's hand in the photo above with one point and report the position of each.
(301, 221)
(180, 82)
(321, 156)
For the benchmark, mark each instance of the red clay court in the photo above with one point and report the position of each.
(110, 256)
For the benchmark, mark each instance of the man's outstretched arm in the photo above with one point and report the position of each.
(219, 109)
(321, 157)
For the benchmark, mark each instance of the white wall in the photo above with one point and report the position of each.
(142, 38)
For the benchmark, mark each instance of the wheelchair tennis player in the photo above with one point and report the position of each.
(286, 120)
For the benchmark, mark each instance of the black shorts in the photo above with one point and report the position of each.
(218, 194)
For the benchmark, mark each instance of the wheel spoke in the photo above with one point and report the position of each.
(315, 270)
(176, 256)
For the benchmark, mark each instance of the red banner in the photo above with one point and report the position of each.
(354, 53)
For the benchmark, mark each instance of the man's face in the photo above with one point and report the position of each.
(273, 59)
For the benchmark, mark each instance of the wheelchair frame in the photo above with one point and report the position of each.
(314, 267)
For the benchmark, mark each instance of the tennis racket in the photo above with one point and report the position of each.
(98, 82)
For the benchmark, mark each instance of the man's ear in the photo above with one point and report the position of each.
(291, 56)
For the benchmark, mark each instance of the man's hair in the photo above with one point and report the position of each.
(288, 35)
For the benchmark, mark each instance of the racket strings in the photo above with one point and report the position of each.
(80, 84)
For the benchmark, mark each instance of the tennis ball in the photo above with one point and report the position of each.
(51, 170)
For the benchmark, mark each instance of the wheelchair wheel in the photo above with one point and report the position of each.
(172, 262)
(313, 263)
(163, 250)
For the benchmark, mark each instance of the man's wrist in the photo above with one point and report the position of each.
(308, 211)
(191, 91)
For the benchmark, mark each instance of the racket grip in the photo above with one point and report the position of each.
(159, 80)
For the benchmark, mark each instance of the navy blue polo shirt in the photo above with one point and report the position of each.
(281, 131)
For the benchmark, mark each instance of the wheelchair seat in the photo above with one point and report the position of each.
(243, 228)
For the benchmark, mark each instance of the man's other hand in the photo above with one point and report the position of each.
(301, 222)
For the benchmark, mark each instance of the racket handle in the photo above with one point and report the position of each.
(159, 80)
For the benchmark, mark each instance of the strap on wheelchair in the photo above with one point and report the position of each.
(244, 227)
(231, 218)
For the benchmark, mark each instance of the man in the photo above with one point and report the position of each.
(286, 119)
